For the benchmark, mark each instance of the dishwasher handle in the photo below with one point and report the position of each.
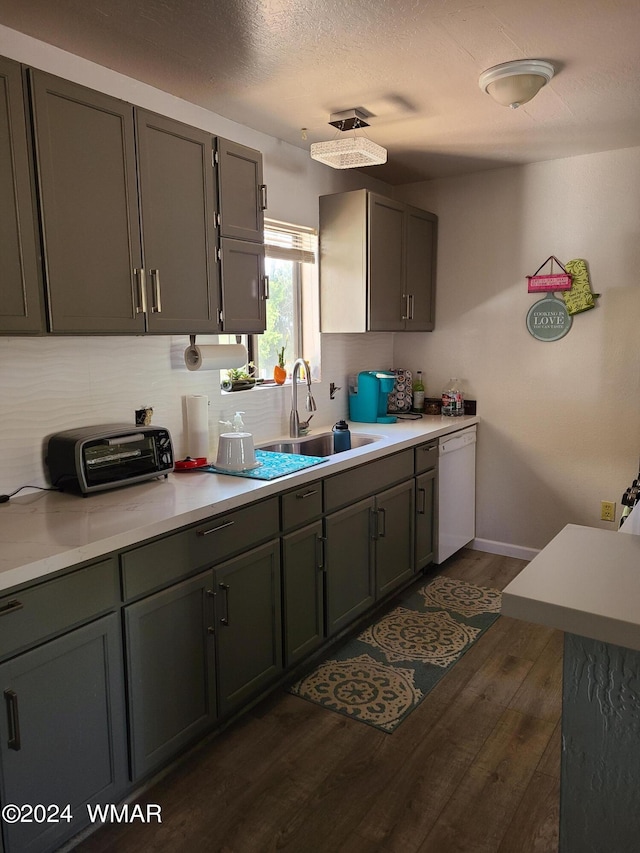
(457, 441)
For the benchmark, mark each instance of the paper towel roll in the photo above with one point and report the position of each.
(215, 356)
(198, 426)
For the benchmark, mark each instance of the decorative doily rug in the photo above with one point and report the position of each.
(381, 675)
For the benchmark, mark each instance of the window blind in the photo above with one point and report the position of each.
(287, 242)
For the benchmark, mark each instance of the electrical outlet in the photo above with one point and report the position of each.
(608, 510)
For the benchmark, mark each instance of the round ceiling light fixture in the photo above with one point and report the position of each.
(514, 83)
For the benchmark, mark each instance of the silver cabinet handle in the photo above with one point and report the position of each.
(156, 307)
(300, 496)
(225, 588)
(141, 307)
(266, 287)
(423, 505)
(11, 698)
(11, 607)
(410, 306)
(405, 315)
(320, 540)
(214, 529)
(382, 512)
(262, 189)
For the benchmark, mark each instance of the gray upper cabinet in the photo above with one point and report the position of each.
(20, 294)
(177, 194)
(377, 264)
(244, 286)
(97, 192)
(243, 194)
(85, 151)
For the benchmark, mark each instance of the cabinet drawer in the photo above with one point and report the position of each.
(175, 557)
(229, 534)
(426, 456)
(51, 608)
(350, 486)
(300, 506)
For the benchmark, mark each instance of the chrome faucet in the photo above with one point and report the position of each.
(296, 426)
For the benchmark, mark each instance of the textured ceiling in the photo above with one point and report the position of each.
(282, 65)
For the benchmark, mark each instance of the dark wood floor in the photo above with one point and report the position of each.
(474, 769)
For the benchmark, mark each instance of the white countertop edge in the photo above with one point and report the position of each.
(129, 508)
(586, 582)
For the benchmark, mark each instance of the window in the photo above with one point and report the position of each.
(292, 307)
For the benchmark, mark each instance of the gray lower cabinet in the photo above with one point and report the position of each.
(21, 309)
(171, 670)
(394, 540)
(426, 468)
(425, 519)
(248, 625)
(349, 564)
(62, 733)
(303, 592)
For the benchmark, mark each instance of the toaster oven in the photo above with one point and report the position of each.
(96, 458)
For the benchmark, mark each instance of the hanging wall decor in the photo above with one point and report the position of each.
(548, 319)
(580, 297)
(551, 282)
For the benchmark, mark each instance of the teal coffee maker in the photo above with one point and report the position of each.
(368, 401)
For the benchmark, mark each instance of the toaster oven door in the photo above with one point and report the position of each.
(115, 460)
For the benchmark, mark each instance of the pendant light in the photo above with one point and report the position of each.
(515, 83)
(349, 152)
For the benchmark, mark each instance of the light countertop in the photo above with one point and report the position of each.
(46, 532)
(586, 582)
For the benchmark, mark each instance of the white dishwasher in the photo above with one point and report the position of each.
(456, 492)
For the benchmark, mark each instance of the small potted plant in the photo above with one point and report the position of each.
(279, 371)
(240, 378)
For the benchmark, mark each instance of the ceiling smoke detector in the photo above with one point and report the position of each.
(350, 152)
(515, 83)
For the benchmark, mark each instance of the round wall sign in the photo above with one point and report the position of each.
(548, 319)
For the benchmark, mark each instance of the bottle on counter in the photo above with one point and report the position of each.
(417, 403)
(341, 437)
(453, 399)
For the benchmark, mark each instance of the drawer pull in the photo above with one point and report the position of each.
(300, 496)
(215, 529)
(225, 588)
(11, 607)
(11, 698)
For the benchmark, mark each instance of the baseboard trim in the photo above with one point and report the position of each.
(505, 549)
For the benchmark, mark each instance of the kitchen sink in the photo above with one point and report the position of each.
(316, 445)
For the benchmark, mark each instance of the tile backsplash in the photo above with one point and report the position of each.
(52, 383)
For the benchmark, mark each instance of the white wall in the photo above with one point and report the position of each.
(50, 384)
(560, 421)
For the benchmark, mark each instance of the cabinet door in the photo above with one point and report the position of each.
(242, 192)
(20, 295)
(248, 625)
(387, 299)
(87, 174)
(420, 268)
(303, 592)
(177, 194)
(244, 287)
(425, 518)
(171, 670)
(394, 537)
(349, 564)
(62, 731)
